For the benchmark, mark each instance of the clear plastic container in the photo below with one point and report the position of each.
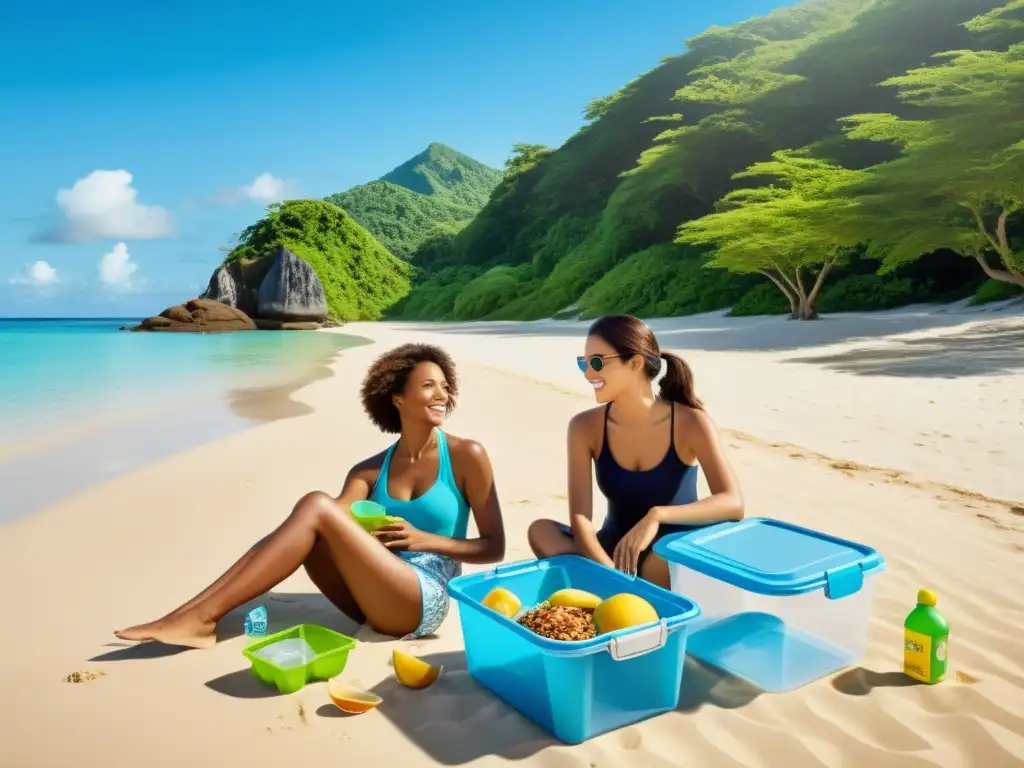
(781, 605)
(574, 689)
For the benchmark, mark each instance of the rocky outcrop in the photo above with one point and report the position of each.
(280, 292)
(198, 316)
(291, 291)
(237, 284)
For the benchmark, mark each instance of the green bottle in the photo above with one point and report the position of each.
(925, 641)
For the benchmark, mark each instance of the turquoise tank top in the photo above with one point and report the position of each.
(441, 510)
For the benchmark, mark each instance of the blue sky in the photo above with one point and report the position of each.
(136, 139)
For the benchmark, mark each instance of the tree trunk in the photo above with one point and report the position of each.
(801, 303)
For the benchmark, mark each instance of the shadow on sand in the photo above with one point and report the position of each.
(971, 352)
(716, 332)
(860, 681)
(465, 709)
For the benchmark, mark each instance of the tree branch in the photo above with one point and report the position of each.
(981, 225)
(1004, 246)
(800, 281)
(1002, 275)
(785, 277)
(825, 269)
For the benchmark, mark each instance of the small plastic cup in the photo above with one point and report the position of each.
(369, 514)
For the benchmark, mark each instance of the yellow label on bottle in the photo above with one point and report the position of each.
(917, 656)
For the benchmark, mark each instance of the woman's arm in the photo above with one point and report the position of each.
(581, 491)
(726, 500)
(482, 495)
(357, 485)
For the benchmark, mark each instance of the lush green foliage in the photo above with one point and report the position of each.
(960, 176)
(359, 276)
(759, 140)
(438, 186)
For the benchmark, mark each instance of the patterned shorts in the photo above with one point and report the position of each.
(433, 571)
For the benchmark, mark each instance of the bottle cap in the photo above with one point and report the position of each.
(926, 597)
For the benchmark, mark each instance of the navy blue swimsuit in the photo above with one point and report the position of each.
(631, 494)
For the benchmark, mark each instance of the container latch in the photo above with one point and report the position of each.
(638, 643)
(843, 581)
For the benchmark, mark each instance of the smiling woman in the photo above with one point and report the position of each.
(395, 578)
(645, 454)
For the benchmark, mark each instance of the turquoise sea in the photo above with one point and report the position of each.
(81, 401)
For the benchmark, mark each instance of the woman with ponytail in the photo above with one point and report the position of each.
(645, 452)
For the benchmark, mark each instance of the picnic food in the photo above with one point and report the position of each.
(575, 598)
(351, 700)
(560, 622)
(412, 672)
(621, 611)
(502, 601)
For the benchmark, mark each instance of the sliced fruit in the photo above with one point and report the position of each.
(575, 598)
(412, 672)
(502, 601)
(621, 611)
(351, 700)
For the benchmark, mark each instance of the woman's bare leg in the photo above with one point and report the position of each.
(383, 586)
(655, 570)
(326, 577)
(547, 539)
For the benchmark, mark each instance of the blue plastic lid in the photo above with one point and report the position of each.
(771, 557)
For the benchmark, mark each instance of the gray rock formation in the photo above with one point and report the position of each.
(291, 291)
(224, 285)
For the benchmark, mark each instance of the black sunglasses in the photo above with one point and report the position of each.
(596, 362)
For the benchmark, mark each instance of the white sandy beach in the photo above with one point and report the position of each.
(901, 430)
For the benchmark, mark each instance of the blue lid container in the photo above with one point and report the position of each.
(771, 557)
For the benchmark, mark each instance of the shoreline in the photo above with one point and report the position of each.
(124, 443)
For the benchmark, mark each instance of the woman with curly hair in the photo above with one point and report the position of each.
(394, 579)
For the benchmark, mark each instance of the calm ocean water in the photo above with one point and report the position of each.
(81, 400)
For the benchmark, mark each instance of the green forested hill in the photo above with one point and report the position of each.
(777, 165)
(360, 278)
(439, 186)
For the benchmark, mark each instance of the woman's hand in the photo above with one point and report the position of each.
(401, 536)
(627, 551)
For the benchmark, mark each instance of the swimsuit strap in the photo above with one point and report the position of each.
(445, 471)
(672, 427)
(382, 476)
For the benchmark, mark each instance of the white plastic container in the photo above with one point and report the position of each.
(780, 605)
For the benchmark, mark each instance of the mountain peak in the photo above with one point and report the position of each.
(443, 171)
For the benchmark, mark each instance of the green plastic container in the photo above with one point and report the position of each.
(369, 514)
(331, 648)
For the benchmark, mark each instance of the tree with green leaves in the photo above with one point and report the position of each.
(780, 230)
(960, 176)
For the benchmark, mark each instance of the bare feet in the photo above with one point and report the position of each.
(182, 629)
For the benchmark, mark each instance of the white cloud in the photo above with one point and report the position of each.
(116, 268)
(265, 188)
(38, 273)
(105, 204)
